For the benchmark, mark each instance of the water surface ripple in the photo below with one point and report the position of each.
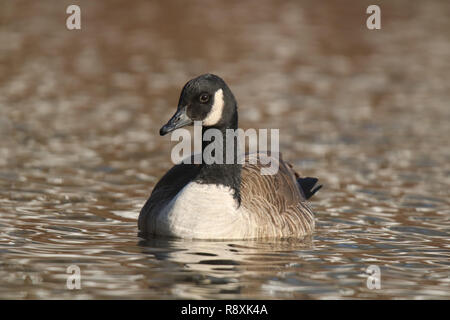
(365, 111)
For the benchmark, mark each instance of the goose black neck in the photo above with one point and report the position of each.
(221, 172)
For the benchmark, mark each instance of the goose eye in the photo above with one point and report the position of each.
(204, 97)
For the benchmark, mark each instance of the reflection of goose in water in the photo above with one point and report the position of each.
(225, 201)
(203, 267)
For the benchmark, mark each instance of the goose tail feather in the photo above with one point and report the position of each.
(308, 186)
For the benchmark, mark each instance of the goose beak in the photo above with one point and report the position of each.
(180, 119)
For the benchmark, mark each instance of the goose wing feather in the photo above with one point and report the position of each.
(276, 202)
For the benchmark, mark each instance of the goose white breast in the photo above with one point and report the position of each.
(203, 211)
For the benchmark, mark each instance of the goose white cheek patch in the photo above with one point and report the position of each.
(215, 114)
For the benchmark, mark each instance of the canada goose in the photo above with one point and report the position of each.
(224, 201)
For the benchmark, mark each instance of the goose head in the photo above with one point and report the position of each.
(208, 99)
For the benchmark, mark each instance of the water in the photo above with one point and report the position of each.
(365, 111)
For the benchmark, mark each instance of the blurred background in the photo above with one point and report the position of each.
(365, 111)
